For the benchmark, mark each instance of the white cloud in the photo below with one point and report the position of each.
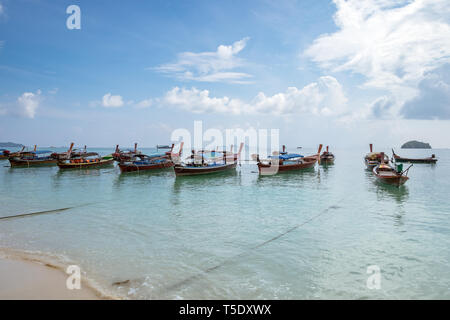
(324, 97)
(145, 103)
(209, 66)
(2, 9)
(394, 44)
(28, 103)
(110, 101)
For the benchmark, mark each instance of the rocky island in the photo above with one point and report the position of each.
(10, 145)
(416, 145)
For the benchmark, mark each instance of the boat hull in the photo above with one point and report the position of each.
(31, 163)
(327, 160)
(190, 171)
(424, 160)
(136, 168)
(267, 169)
(86, 165)
(395, 180)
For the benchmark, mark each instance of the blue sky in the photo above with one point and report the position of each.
(342, 73)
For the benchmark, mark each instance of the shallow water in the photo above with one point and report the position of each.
(200, 237)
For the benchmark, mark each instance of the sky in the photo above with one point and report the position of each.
(341, 73)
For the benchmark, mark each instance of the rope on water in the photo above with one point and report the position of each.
(41, 212)
(232, 259)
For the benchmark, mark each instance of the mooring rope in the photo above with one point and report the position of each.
(232, 259)
(41, 212)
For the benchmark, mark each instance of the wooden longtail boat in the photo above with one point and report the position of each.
(397, 158)
(372, 159)
(283, 161)
(86, 161)
(35, 158)
(69, 154)
(200, 164)
(124, 155)
(142, 162)
(327, 157)
(387, 174)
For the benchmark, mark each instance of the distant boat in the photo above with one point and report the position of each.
(33, 158)
(299, 147)
(71, 153)
(86, 161)
(122, 155)
(431, 159)
(327, 157)
(283, 161)
(163, 146)
(372, 159)
(207, 162)
(142, 162)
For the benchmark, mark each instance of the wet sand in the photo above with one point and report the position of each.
(30, 280)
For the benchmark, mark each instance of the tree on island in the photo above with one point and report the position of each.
(416, 145)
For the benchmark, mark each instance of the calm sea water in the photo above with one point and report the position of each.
(205, 237)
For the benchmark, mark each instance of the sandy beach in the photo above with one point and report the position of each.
(30, 280)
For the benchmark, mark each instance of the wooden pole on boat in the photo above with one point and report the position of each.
(35, 146)
(371, 147)
(382, 157)
(240, 148)
(70, 150)
(135, 147)
(327, 149)
(117, 148)
(284, 148)
(318, 153)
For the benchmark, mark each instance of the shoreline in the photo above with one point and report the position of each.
(30, 276)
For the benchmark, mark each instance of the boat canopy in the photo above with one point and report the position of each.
(41, 151)
(287, 156)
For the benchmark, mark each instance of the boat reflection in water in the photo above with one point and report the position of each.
(203, 187)
(143, 178)
(399, 194)
(290, 178)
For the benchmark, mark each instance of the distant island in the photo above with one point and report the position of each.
(10, 145)
(416, 145)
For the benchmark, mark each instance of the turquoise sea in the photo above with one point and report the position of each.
(303, 235)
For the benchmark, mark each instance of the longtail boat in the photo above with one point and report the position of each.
(86, 161)
(206, 162)
(372, 159)
(390, 175)
(123, 155)
(71, 153)
(283, 161)
(397, 158)
(327, 157)
(4, 154)
(33, 158)
(142, 162)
